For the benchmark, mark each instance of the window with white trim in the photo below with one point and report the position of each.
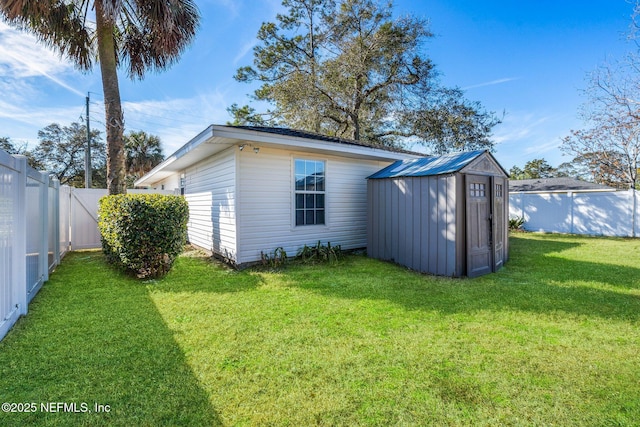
(309, 192)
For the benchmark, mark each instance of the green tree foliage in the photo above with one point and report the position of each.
(141, 35)
(61, 151)
(349, 69)
(589, 167)
(533, 169)
(144, 152)
(245, 115)
(9, 147)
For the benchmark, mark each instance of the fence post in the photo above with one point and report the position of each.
(571, 203)
(634, 212)
(44, 227)
(56, 221)
(19, 255)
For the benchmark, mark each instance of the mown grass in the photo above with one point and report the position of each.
(552, 339)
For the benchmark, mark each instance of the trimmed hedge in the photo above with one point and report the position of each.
(143, 233)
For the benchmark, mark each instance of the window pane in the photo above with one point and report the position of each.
(320, 216)
(299, 201)
(309, 201)
(320, 183)
(299, 167)
(300, 217)
(319, 200)
(308, 217)
(300, 180)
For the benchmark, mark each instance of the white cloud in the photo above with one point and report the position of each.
(38, 116)
(523, 136)
(246, 48)
(516, 127)
(178, 120)
(491, 83)
(22, 56)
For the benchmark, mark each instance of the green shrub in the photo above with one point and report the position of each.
(143, 233)
(516, 223)
(277, 259)
(320, 253)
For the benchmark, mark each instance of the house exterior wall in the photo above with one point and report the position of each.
(266, 202)
(171, 184)
(415, 221)
(210, 190)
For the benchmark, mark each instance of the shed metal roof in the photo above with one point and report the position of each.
(428, 166)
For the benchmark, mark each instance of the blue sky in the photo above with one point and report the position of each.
(528, 59)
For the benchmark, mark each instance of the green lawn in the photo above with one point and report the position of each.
(552, 339)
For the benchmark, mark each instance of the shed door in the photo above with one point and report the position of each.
(479, 251)
(498, 226)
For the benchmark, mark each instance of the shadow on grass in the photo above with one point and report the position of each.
(187, 276)
(93, 336)
(537, 257)
(533, 280)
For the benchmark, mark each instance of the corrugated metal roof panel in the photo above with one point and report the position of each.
(428, 166)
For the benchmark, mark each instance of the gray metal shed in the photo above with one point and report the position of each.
(444, 215)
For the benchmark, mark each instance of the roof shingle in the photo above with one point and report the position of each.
(320, 137)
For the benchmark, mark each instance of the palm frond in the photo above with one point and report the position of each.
(59, 25)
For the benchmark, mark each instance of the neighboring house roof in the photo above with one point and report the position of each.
(555, 184)
(217, 138)
(429, 166)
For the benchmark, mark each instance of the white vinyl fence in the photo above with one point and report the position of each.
(608, 213)
(30, 242)
(39, 222)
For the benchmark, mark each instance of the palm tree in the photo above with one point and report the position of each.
(144, 152)
(141, 35)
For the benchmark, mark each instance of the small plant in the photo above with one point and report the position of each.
(275, 260)
(516, 223)
(320, 253)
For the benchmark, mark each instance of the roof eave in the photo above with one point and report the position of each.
(228, 135)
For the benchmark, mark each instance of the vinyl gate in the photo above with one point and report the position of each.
(83, 218)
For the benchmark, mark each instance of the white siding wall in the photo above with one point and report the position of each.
(265, 200)
(211, 194)
(172, 183)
